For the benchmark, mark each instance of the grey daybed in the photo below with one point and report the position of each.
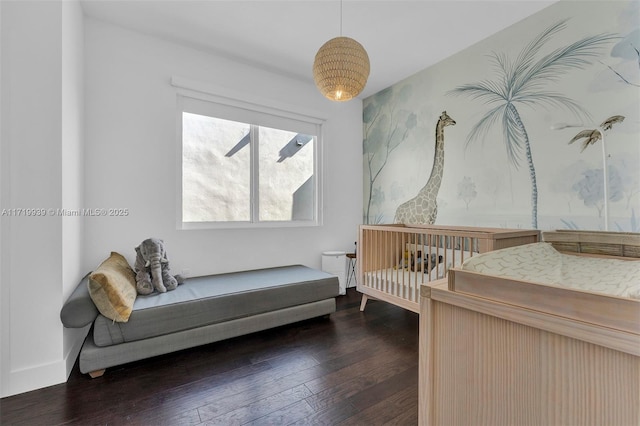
(202, 310)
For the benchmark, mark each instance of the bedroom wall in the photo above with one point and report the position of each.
(132, 159)
(41, 124)
(72, 165)
(481, 185)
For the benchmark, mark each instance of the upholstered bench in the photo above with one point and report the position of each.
(202, 310)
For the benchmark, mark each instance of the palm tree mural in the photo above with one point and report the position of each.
(592, 136)
(523, 81)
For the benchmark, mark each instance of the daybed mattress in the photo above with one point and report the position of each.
(217, 298)
(543, 264)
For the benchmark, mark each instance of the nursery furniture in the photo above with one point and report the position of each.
(200, 311)
(554, 347)
(386, 254)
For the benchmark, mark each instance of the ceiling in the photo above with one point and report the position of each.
(401, 37)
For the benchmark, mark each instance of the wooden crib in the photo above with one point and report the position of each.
(395, 260)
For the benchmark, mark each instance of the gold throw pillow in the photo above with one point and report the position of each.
(112, 287)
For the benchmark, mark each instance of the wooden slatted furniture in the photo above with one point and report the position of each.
(487, 361)
(384, 252)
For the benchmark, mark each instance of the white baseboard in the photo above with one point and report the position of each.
(44, 375)
(37, 377)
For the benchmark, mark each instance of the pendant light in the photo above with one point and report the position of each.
(341, 67)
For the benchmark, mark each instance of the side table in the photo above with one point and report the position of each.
(351, 269)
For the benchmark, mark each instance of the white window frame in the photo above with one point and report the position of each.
(189, 91)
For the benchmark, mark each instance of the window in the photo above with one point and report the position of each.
(242, 167)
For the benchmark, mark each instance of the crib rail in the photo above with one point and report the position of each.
(394, 261)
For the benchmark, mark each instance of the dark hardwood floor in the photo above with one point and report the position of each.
(351, 369)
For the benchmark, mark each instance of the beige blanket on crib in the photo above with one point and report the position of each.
(541, 263)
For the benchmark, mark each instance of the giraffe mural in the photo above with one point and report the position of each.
(423, 209)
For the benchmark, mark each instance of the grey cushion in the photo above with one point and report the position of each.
(79, 310)
(94, 358)
(217, 298)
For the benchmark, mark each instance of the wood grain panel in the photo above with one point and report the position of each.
(619, 244)
(489, 371)
(592, 333)
(620, 313)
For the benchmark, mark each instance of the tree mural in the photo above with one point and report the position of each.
(590, 188)
(467, 190)
(628, 49)
(522, 81)
(591, 136)
(377, 198)
(564, 180)
(628, 168)
(491, 184)
(385, 128)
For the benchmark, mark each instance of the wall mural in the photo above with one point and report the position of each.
(423, 208)
(521, 98)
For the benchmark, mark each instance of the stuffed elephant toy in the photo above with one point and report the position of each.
(152, 268)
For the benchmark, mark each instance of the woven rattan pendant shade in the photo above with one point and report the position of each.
(341, 69)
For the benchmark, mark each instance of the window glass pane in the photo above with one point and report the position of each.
(286, 186)
(216, 169)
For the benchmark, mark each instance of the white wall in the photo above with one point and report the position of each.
(40, 125)
(31, 138)
(72, 164)
(132, 156)
(4, 226)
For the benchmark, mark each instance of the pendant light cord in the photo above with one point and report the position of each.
(340, 18)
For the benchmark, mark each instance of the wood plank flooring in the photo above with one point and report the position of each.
(353, 368)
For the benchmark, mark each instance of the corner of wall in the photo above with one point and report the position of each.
(46, 29)
(4, 194)
(72, 164)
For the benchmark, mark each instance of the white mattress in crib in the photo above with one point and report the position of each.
(406, 276)
(541, 263)
(401, 282)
